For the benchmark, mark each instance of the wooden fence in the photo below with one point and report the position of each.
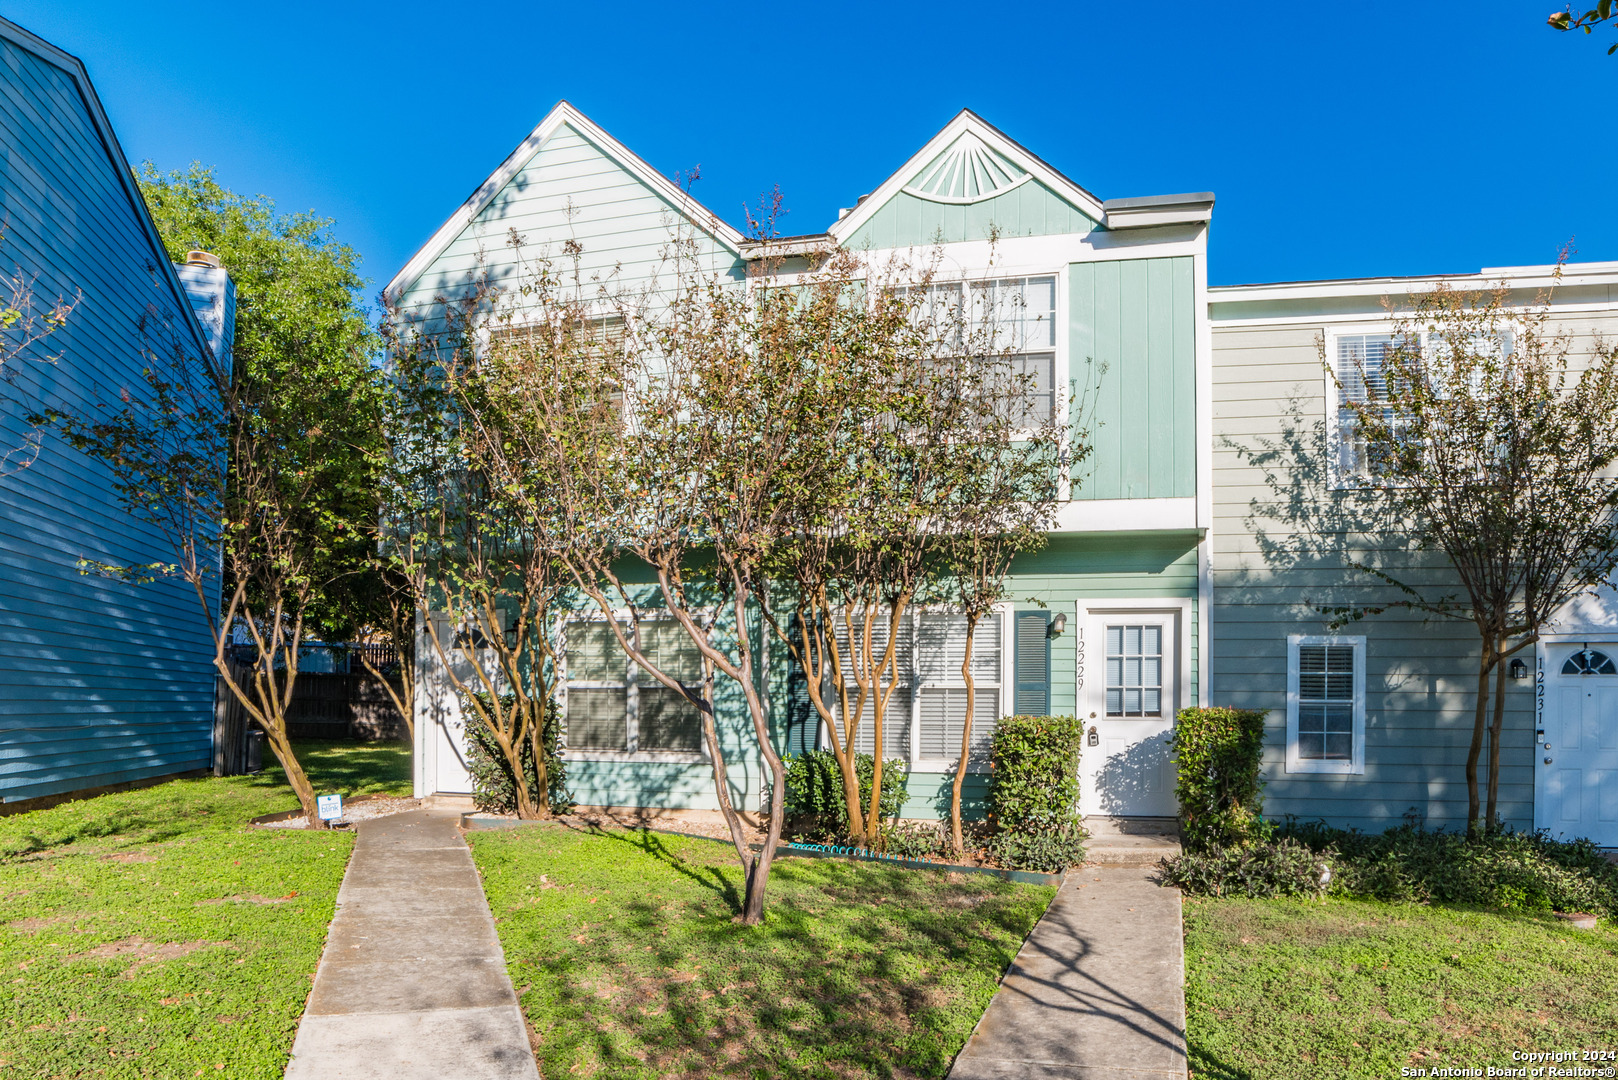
(324, 706)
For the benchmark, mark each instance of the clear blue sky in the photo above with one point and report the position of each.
(1340, 139)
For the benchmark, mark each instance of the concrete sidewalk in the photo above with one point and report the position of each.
(413, 981)
(1097, 990)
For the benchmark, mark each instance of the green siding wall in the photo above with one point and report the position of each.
(1132, 358)
(1030, 209)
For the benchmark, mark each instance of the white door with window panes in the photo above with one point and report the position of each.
(1131, 679)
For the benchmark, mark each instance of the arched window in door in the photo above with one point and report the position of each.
(1589, 661)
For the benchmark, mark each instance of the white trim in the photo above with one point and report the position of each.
(965, 121)
(967, 200)
(1516, 277)
(1355, 766)
(1126, 515)
(563, 114)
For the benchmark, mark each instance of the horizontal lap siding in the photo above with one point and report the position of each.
(1030, 209)
(568, 191)
(100, 682)
(1279, 556)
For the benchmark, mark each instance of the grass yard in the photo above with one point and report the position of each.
(147, 934)
(1348, 988)
(624, 951)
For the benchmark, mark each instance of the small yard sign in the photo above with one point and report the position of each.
(330, 807)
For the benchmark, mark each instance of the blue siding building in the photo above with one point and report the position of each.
(101, 682)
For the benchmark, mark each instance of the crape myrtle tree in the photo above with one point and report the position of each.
(1478, 437)
(273, 458)
(945, 464)
(479, 570)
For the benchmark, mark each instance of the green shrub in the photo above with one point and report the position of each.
(494, 790)
(816, 805)
(1218, 752)
(1501, 869)
(1263, 869)
(1050, 852)
(1034, 793)
(919, 840)
(1498, 868)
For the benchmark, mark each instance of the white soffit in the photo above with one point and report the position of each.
(564, 114)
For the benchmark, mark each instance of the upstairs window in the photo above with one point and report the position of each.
(1012, 319)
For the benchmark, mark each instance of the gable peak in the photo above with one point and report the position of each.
(967, 171)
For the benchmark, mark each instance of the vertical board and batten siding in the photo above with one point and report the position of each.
(1030, 209)
(570, 190)
(1070, 569)
(1132, 365)
(100, 682)
(1278, 558)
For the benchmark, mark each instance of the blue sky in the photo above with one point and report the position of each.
(1341, 140)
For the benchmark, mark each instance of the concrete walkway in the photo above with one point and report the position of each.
(413, 981)
(1097, 990)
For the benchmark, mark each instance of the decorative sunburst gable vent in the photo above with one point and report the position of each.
(969, 171)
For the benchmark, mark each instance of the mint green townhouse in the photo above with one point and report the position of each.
(1370, 723)
(1110, 621)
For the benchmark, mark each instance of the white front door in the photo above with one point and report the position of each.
(1130, 685)
(1576, 761)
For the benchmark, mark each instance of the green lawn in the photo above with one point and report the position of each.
(1348, 988)
(147, 933)
(623, 949)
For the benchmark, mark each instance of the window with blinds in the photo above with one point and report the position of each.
(1011, 318)
(599, 342)
(614, 705)
(940, 649)
(1326, 704)
(926, 714)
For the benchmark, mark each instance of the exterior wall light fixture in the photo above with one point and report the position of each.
(1058, 624)
(1517, 670)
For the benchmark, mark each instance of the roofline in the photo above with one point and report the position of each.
(964, 120)
(1521, 277)
(1149, 210)
(562, 113)
(74, 67)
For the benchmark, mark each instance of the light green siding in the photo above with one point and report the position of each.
(1132, 360)
(1071, 569)
(1029, 209)
(572, 192)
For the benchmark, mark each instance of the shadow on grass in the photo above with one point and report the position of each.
(857, 971)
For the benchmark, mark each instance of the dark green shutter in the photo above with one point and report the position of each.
(1033, 664)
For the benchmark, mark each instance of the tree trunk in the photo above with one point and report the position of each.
(955, 836)
(1495, 727)
(538, 745)
(1474, 808)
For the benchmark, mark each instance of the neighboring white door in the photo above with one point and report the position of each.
(1131, 684)
(1576, 761)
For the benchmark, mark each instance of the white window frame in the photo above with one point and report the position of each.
(1355, 766)
(913, 681)
(1337, 478)
(631, 688)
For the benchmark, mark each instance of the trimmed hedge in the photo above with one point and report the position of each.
(816, 806)
(1034, 793)
(494, 791)
(1218, 752)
